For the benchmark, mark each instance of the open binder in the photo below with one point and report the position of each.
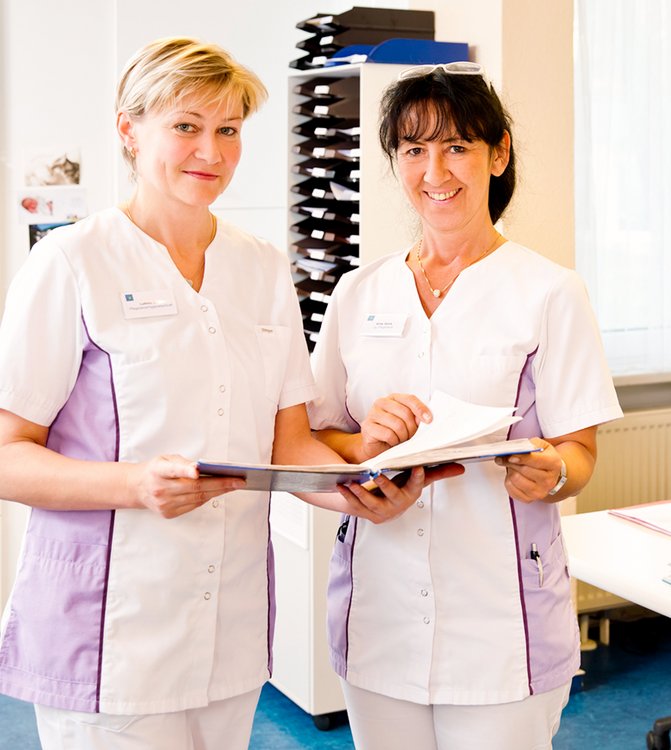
(457, 434)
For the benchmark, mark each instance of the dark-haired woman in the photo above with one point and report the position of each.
(452, 626)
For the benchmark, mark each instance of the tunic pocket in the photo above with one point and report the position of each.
(53, 629)
(494, 378)
(551, 618)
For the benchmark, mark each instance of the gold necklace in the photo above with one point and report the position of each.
(439, 292)
(213, 234)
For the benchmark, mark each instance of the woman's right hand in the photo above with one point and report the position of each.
(171, 486)
(392, 420)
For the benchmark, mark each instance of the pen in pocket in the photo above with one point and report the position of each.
(342, 530)
(535, 555)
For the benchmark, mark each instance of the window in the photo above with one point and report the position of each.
(623, 176)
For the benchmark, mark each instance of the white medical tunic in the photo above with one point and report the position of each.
(444, 604)
(104, 342)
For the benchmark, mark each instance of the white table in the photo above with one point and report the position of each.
(628, 560)
(620, 556)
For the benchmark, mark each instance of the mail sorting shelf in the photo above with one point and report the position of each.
(327, 210)
(331, 34)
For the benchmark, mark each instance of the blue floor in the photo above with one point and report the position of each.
(627, 686)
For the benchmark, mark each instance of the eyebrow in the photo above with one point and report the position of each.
(200, 117)
(449, 139)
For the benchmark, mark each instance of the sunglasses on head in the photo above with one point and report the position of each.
(463, 68)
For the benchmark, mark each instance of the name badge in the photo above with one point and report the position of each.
(152, 304)
(384, 324)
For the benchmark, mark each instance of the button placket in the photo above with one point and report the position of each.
(212, 329)
(425, 344)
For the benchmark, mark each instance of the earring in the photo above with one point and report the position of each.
(131, 151)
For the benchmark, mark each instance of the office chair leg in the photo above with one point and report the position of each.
(658, 738)
(326, 722)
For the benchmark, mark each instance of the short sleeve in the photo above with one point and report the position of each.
(574, 387)
(41, 336)
(298, 383)
(329, 408)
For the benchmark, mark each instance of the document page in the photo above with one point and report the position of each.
(454, 422)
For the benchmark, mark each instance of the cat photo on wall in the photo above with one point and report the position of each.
(54, 168)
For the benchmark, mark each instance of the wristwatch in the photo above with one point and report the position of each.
(561, 481)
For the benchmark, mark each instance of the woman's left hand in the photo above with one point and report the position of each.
(394, 500)
(531, 476)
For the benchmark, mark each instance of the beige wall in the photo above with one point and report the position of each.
(526, 47)
(537, 50)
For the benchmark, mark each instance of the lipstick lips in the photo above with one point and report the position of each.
(201, 175)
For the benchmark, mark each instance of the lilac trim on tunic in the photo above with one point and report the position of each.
(349, 414)
(550, 625)
(340, 588)
(50, 653)
(523, 374)
(339, 594)
(111, 526)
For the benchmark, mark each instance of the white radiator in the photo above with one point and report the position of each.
(633, 466)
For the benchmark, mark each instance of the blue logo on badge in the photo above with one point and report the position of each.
(128, 297)
(371, 317)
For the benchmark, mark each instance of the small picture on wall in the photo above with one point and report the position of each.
(48, 205)
(53, 168)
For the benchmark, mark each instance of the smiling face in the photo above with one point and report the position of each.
(187, 153)
(446, 177)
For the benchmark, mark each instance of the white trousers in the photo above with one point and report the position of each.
(378, 721)
(222, 725)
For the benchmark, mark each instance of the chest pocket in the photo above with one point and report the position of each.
(273, 343)
(494, 378)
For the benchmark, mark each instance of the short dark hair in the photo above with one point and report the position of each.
(463, 103)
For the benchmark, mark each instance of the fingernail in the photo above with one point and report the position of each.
(426, 417)
(513, 460)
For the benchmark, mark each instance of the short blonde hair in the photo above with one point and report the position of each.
(165, 70)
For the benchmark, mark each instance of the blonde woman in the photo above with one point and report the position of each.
(134, 342)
